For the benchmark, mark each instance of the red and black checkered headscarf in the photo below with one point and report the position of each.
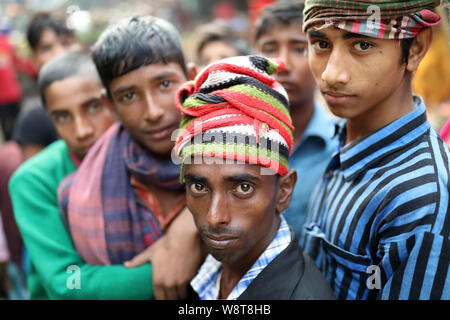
(382, 19)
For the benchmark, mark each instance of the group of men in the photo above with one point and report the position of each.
(173, 184)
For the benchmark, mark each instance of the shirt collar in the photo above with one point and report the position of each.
(321, 125)
(362, 154)
(207, 281)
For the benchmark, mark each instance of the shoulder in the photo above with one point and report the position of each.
(50, 163)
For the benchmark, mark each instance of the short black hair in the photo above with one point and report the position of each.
(405, 45)
(215, 31)
(66, 65)
(42, 21)
(133, 43)
(278, 13)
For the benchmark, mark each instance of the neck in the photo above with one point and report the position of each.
(301, 114)
(395, 106)
(232, 272)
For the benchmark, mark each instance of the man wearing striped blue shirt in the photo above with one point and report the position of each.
(379, 223)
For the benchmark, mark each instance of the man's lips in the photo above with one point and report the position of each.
(289, 85)
(337, 97)
(86, 146)
(161, 133)
(219, 241)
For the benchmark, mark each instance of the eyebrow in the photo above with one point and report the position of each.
(58, 112)
(189, 177)
(124, 89)
(242, 177)
(194, 177)
(88, 102)
(156, 78)
(162, 76)
(345, 36)
(295, 41)
(317, 34)
(350, 35)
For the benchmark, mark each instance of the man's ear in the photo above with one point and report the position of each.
(419, 49)
(192, 70)
(286, 185)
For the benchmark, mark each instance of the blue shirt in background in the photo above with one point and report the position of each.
(310, 158)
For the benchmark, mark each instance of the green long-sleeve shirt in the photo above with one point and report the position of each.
(52, 274)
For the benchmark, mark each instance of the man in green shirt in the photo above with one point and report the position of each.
(73, 100)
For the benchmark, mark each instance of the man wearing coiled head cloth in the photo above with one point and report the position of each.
(379, 225)
(234, 145)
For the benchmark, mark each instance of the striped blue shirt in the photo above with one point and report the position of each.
(207, 281)
(379, 224)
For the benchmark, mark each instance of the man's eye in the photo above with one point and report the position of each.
(197, 188)
(268, 51)
(127, 97)
(94, 107)
(320, 45)
(362, 46)
(61, 118)
(244, 188)
(165, 84)
(299, 50)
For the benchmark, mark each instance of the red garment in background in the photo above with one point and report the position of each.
(10, 90)
(255, 8)
(445, 133)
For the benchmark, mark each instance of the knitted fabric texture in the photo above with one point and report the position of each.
(235, 110)
(382, 19)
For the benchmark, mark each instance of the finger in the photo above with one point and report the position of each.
(137, 261)
(160, 293)
(182, 292)
(171, 293)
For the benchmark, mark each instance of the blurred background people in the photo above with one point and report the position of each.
(278, 34)
(33, 130)
(4, 257)
(216, 41)
(11, 92)
(432, 79)
(43, 34)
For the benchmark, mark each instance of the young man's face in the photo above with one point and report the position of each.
(355, 74)
(78, 112)
(215, 51)
(52, 44)
(234, 207)
(144, 100)
(289, 43)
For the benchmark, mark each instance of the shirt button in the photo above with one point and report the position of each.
(329, 174)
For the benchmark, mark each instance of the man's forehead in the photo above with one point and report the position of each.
(222, 171)
(144, 73)
(274, 31)
(328, 31)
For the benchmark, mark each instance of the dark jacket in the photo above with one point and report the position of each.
(292, 275)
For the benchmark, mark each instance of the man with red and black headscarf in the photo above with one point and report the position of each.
(379, 225)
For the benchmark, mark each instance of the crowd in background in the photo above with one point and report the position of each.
(227, 29)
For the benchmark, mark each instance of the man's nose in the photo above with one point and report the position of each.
(83, 128)
(336, 73)
(284, 55)
(218, 213)
(154, 112)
